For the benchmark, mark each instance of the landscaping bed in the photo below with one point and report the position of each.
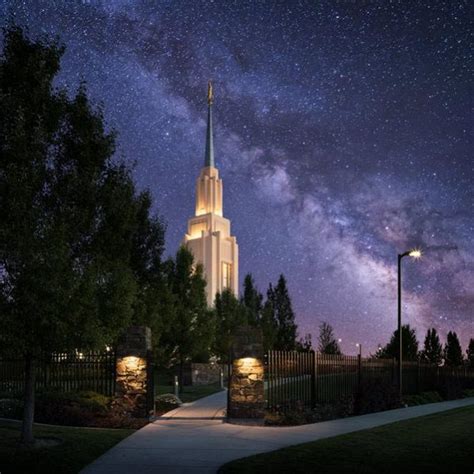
(372, 396)
(85, 409)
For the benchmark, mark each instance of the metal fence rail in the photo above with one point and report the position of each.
(67, 372)
(294, 379)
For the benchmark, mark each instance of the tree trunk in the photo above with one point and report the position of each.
(29, 403)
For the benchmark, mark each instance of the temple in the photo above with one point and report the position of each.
(208, 236)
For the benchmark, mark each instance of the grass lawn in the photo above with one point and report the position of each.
(190, 393)
(440, 443)
(79, 447)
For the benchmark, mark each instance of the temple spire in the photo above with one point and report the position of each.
(209, 156)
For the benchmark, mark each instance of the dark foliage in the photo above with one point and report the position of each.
(453, 356)
(376, 395)
(409, 345)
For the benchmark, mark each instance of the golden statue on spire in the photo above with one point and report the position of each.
(210, 95)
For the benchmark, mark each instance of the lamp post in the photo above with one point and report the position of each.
(416, 254)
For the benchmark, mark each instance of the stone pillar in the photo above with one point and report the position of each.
(132, 374)
(246, 388)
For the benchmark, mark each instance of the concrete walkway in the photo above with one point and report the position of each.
(195, 440)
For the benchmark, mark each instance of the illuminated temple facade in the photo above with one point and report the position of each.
(208, 236)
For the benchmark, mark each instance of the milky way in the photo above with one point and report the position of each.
(342, 133)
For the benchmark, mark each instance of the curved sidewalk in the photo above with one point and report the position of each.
(195, 439)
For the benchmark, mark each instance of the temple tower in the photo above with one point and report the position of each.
(208, 236)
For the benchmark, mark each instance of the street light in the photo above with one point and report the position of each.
(416, 254)
(360, 349)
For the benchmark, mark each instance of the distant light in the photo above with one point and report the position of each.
(415, 253)
(357, 344)
(339, 340)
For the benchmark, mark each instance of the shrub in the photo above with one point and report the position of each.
(469, 392)
(423, 398)
(11, 408)
(166, 402)
(291, 414)
(73, 409)
(450, 389)
(376, 395)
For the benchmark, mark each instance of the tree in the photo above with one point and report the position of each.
(470, 353)
(268, 322)
(285, 317)
(68, 215)
(305, 344)
(327, 341)
(191, 334)
(452, 352)
(409, 345)
(230, 314)
(152, 304)
(252, 300)
(433, 350)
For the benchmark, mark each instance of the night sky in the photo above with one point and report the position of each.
(343, 132)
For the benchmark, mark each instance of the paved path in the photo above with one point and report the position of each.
(195, 440)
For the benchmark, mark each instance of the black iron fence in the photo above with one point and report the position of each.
(66, 372)
(307, 378)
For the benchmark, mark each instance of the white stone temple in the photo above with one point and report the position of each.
(208, 236)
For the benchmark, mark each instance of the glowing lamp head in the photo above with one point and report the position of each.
(415, 253)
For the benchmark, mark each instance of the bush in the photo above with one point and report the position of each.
(469, 392)
(376, 395)
(73, 409)
(292, 414)
(423, 398)
(166, 402)
(11, 408)
(450, 389)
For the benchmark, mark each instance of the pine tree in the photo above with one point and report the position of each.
(193, 329)
(230, 314)
(252, 300)
(409, 345)
(433, 350)
(470, 353)
(269, 322)
(452, 352)
(285, 317)
(327, 341)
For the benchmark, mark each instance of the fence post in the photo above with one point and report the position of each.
(313, 379)
(418, 381)
(246, 387)
(359, 370)
(132, 376)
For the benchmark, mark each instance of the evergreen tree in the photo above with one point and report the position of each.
(409, 345)
(252, 300)
(68, 216)
(193, 329)
(285, 317)
(433, 350)
(151, 307)
(470, 353)
(269, 322)
(327, 341)
(452, 352)
(230, 314)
